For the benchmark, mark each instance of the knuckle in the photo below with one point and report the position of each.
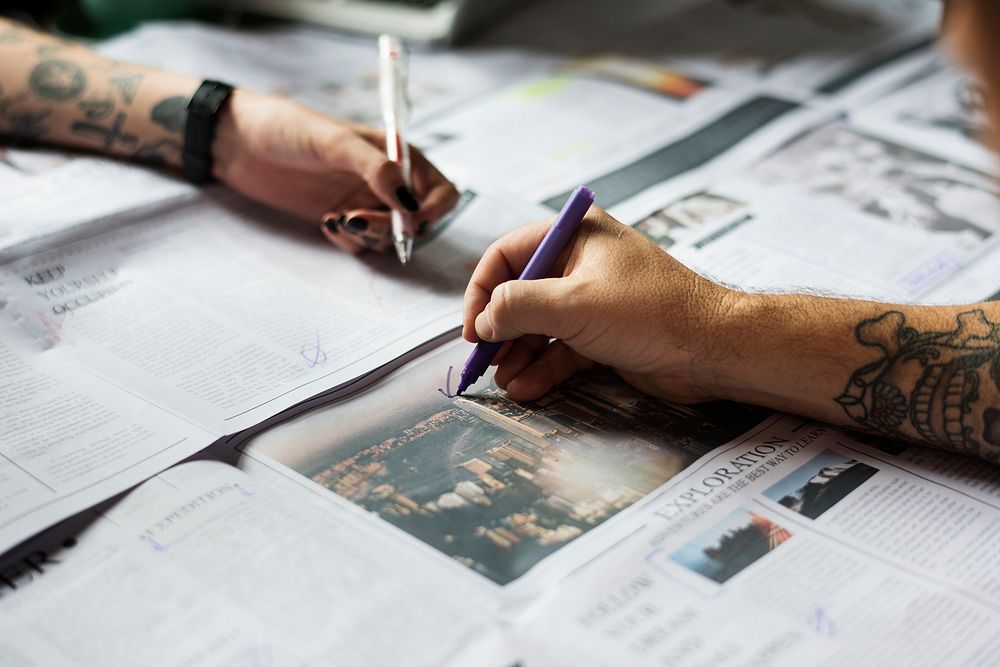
(500, 303)
(385, 170)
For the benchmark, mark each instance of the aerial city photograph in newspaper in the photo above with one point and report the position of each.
(493, 484)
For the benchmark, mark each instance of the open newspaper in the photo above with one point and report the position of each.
(595, 526)
(134, 345)
(340, 510)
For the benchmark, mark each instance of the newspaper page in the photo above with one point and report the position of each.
(208, 565)
(840, 211)
(71, 439)
(46, 194)
(201, 321)
(798, 545)
(543, 137)
(226, 313)
(941, 110)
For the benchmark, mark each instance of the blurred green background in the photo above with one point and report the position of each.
(101, 18)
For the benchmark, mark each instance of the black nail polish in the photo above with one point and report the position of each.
(406, 198)
(332, 224)
(356, 225)
(369, 241)
(422, 228)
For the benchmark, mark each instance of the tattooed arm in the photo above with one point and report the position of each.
(273, 150)
(57, 92)
(927, 374)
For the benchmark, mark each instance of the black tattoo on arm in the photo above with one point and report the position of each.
(939, 387)
(153, 153)
(97, 109)
(171, 113)
(24, 126)
(110, 136)
(127, 84)
(57, 80)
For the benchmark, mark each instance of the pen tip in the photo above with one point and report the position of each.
(404, 249)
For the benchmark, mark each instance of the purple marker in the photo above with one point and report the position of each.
(556, 239)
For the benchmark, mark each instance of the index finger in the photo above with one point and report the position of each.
(437, 194)
(504, 260)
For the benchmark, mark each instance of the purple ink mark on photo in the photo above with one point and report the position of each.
(313, 353)
(446, 392)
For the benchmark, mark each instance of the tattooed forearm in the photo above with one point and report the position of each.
(941, 388)
(62, 93)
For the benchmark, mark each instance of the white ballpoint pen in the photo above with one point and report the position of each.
(395, 112)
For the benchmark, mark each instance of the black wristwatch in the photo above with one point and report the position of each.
(199, 130)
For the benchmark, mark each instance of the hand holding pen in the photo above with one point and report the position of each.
(556, 239)
(360, 216)
(614, 299)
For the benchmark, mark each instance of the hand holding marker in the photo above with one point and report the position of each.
(555, 241)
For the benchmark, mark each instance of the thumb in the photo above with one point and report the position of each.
(520, 307)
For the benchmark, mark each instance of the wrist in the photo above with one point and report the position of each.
(790, 352)
(755, 348)
(722, 367)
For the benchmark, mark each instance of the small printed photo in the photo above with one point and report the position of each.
(820, 484)
(730, 546)
(672, 223)
(957, 106)
(895, 184)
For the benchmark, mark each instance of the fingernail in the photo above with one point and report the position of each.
(356, 225)
(484, 328)
(369, 241)
(331, 224)
(406, 198)
(422, 228)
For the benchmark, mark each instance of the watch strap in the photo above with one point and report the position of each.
(199, 129)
